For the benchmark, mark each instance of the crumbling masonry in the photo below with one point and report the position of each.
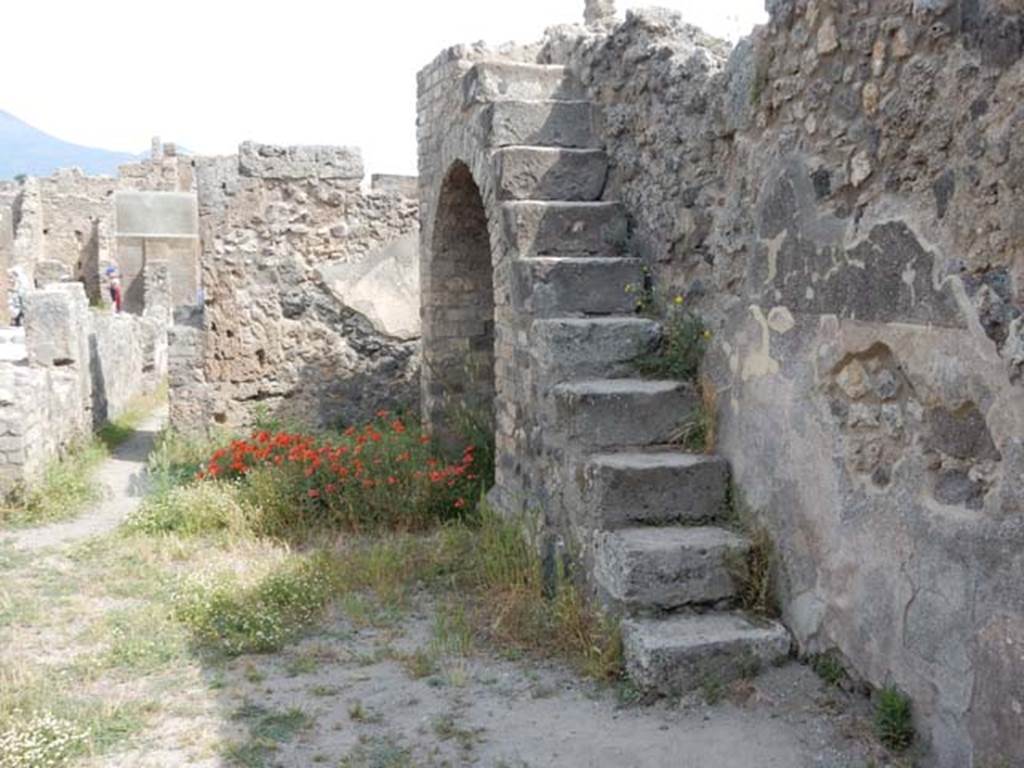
(839, 196)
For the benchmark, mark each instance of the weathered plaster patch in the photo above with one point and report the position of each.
(781, 320)
(758, 361)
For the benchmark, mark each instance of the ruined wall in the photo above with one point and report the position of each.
(840, 197)
(6, 256)
(71, 369)
(65, 223)
(73, 205)
(306, 310)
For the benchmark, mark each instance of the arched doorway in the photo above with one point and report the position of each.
(458, 315)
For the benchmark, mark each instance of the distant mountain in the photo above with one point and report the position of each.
(27, 150)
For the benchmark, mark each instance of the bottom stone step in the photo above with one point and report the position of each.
(676, 654)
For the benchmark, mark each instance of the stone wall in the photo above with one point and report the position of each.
(839, 196)
(72, 369)
(65, 223)
(6, 257)
(308, 291)
(73, 205)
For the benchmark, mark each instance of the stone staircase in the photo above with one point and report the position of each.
(644, 516)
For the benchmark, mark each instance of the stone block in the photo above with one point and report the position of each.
(53, 329)
(544, 173)
(575, 230)
(548, 287)
(660, 568)
(601, 413)
(653, 488)
(540, 124)
(680, 653)
(500, 80)
(567, 348)
(267, 161)
(383, 286)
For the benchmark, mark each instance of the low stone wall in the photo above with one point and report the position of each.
(311, 293)
(70, 370)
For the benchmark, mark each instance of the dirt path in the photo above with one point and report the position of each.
(123, 480)
(88, 616)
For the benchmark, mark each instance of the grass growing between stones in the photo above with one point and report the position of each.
(66, 487)
(756, 572)
(684, 336)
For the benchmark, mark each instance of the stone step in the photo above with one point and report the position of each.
(540, 124)
(550, 173)
(652, 488)
(586, 347)
(576, 230)
(679, 653)
(661, 568)
(603, 413)
(516, 81)
(552, 287)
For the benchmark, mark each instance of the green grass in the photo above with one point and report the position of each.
(494, 569)
(225, 613)
(65, 489)
(192, 510)
(176, 458)
(143, 640)
(41, 724)
(684, 341)
(829, 667)
(378, 752)
(117, 431)
(894, 721)
(267, 729)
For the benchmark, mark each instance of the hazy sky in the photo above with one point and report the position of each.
(209, 73)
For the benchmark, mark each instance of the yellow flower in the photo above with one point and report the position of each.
(707, 334)
(678, 299)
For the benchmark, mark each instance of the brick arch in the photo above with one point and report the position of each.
(458, 310)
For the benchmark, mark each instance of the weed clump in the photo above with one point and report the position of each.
(192, 510)
(684, 336)
(67, 487)
(894, 722)
(501, 566)
(829, 668)
(754, 572)
(42, 740)
(258, 617)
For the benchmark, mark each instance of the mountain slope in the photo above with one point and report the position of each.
(27, 150)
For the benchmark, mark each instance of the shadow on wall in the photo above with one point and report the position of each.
(99, 385)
